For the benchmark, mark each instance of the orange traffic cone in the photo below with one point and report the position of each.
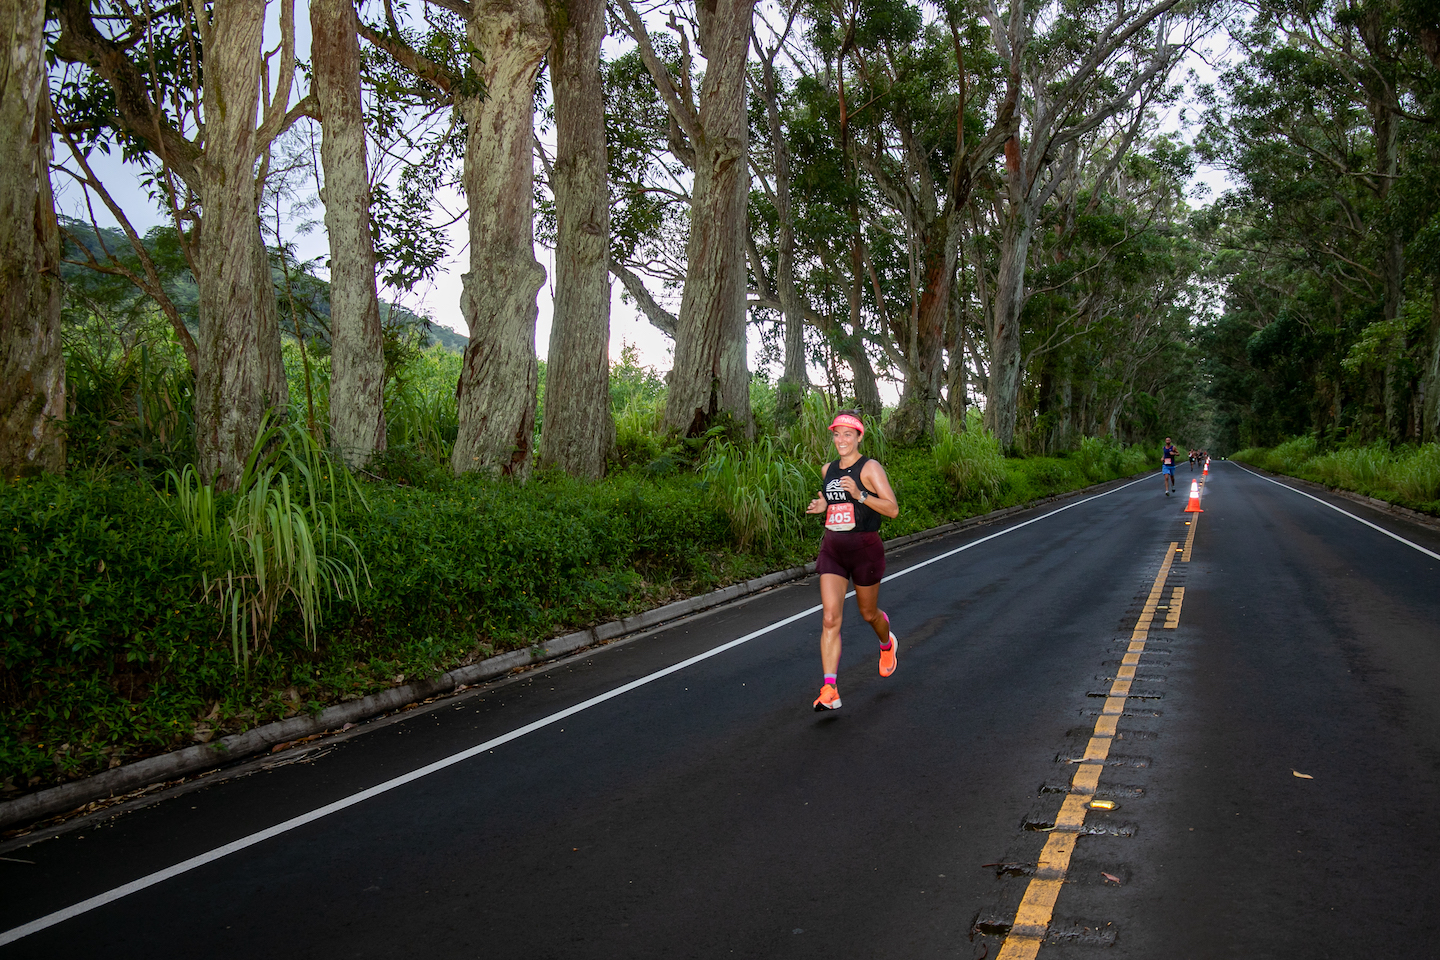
(1206, 471)
(1194, 505)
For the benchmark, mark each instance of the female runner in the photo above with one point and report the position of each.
(857, 494)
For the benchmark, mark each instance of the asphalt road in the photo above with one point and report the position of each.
(708, 812)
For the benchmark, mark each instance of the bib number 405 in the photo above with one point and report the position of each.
(840, 516)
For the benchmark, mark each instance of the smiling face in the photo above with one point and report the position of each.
(847, 440)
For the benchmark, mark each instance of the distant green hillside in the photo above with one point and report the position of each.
(447, 338)
(92, 291)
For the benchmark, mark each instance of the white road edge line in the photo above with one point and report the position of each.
(1324, 503)
(235, 846)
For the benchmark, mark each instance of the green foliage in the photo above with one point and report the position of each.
(1101, 458)
(637, 403)
(763, 492)
(129, 393)
(278, 540)
(969, 459)
(422, 416)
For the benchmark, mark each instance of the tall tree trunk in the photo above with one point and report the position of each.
(496, 392)
(710, 376)
(1003, 393)
(914, 417)
(241, 375)
(32, 365)
(956, 384)
(793, 382)
(1430, 375)
(357, 358)
(579, 431)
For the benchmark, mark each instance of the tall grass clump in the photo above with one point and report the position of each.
(1417, 476)
(1100, 458)
(130, 397)
(1354, 468)
(969, 459)
(762, 491)
(1290, 457)
(809, 436)
(278, 538)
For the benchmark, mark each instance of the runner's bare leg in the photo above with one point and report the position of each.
(833, 588)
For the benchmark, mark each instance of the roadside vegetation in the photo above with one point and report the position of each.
(1407, 475)
(144, 610)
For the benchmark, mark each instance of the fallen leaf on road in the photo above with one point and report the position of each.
(1110, 876)
(1302, 776)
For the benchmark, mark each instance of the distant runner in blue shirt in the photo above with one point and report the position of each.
(1167, 466)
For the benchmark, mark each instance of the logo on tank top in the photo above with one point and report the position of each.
(840, 513)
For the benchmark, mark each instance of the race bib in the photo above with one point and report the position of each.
(840, 516)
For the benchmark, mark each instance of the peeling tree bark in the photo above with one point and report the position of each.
(496, 392)
(579, 431)
(710, 377)
(239, 374)
(914, 416)
(1002, 397)
(32, 366)
(357, 371)
(242, 374)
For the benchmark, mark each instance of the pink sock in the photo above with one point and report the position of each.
(830, 679)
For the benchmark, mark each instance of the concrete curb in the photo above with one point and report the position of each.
(207, 756)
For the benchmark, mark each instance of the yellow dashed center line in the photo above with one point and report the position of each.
(1190, 537)
(1172, 616)
(1037, 906)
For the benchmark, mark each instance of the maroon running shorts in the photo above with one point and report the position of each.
(855, 556)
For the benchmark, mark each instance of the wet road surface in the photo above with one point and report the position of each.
(708, 812)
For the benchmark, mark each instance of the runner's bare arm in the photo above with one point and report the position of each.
(883, 501)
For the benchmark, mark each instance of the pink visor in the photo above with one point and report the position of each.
(845, 420)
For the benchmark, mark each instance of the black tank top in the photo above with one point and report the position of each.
(843, 512)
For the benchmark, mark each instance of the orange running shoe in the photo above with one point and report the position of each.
(889, 658)
(829, 699)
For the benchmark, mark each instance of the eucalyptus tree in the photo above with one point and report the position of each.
(1331, 136)
(1087, 63)
(1116, 255)
(929, 106)
(578, 431)
(357, 370)
(709, 379)
(649, 187)
(793, 380)
(180, 91)
(1328, 127)
(32, 367)
(500, 375)
(807, 168)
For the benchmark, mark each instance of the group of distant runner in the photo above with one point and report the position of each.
(1167, 464)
